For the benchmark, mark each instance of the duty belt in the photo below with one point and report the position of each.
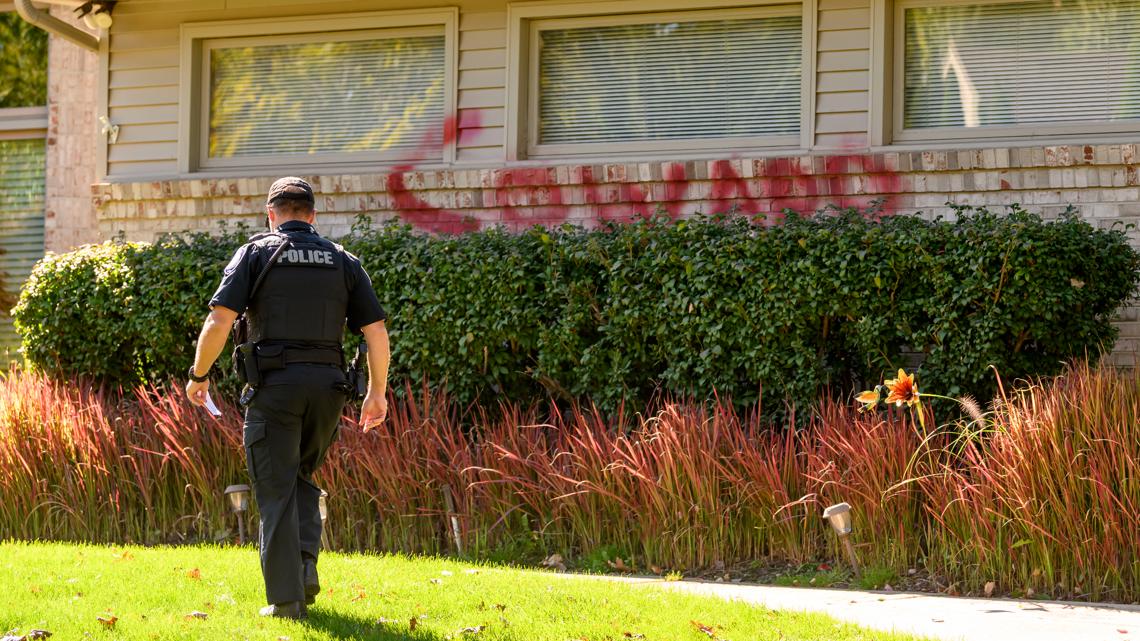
(315, 355)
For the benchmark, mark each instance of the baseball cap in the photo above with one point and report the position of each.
(290, 188)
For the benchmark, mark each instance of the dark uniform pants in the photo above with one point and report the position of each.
(289, 427)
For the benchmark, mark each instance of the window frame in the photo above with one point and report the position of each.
(526, 19)
(198, 39)
(897, 71)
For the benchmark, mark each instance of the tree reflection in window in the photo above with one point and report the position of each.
(23, 63)
(358, 96)
(1022, 63)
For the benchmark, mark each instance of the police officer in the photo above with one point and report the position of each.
(296, 320)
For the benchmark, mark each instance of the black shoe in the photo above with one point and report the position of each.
(292, 610)
(312, 582)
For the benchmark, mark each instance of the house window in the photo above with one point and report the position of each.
(371, 94)
(694, 80)
(1017, 68)
(23, 167)
(329, 90)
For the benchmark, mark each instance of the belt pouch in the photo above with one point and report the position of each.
(270, 357)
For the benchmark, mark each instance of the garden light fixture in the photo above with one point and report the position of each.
(238, 496)
(839, 516)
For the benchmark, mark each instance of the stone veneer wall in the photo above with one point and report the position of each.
(1101, 181)
(69, 219)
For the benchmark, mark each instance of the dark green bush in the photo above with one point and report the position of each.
(708, 304)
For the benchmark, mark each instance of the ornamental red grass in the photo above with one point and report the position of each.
(1046, 498)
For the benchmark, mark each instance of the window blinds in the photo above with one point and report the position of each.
(22, 180)
(383, 95)
(669, 81)
(1022, 63)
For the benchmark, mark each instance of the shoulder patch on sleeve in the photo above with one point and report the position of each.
(238, 258)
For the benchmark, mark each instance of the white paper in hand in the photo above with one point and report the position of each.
(211, 408)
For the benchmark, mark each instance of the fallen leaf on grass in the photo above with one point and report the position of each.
(708, 630)
(618, 564)
(437, 581)
(197, 615)
(633, 635)
(108, 621)
(412, 624)
(473, 630)
(194, 574)
(32, 635)
(124, 556)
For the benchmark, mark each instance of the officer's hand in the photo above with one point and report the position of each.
(373, 411)
(196, 392)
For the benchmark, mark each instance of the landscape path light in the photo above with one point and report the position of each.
(839, 516)
(239, 503)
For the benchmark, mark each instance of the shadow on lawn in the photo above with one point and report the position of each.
(343, 626)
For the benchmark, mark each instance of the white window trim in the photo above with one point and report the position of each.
(193, 99)
(887, 100)
(524, 18)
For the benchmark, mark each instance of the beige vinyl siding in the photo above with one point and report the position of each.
(842, 73)
(143, 67)
(143, 100)
(482, 86)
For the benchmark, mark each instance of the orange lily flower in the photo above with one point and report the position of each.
(903, 390)
(869, 399)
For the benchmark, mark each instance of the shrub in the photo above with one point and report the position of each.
(722, 303)
(122, 313)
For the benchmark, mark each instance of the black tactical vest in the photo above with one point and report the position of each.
(304, 297)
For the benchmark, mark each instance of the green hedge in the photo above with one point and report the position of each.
(722, 303)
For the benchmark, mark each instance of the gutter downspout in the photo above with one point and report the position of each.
(53, 25)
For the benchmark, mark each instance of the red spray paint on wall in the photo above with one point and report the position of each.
(524, 196)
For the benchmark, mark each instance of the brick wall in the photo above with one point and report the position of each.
(69, 219)
(1100, 180)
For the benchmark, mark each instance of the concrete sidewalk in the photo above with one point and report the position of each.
(937, 617)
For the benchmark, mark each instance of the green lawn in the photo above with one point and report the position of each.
(153, 592)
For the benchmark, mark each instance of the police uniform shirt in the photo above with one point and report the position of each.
(363, 307)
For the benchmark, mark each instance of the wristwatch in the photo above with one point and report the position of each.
(198, 379)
